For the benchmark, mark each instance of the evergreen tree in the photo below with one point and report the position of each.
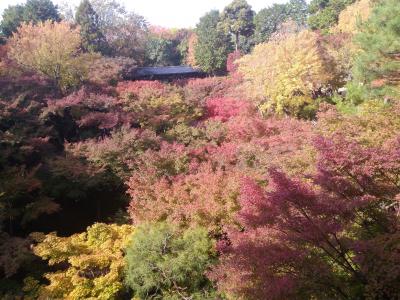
(12, 17)
(268, 20)
(237, 19)
(213, 44)
(325, 13)
(33, 11)
(165, 264)
(40, 10)
(377, 66)
(297, 11)
(161, 52)
(93, 39)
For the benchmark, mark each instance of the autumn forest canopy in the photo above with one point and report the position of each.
(277, 176)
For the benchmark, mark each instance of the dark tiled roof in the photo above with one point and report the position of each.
(164, 71)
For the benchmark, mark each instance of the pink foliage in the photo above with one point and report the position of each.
(102, 120)
(198, 90)
(364, 173)
(224, 109)
(40, 143)
(167, 182)
(231, 64)
(206, 197)
(117, 151)
(92, 110)
(140, 88)
(83, 98)
(295, 229)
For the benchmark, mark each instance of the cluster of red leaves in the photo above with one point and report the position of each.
(90, 110)
(199, 90)
(328, 203)
(198, 184)
(140, 89)
(83, 98)
(323, 223)
(204, 197)
(308, 229)
(117, 151)
(224, 109)
(301, 237)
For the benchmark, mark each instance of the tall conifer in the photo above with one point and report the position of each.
(93, 39)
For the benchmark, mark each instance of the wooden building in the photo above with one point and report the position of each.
(164, 73)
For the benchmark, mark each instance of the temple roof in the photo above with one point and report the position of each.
(164, 72)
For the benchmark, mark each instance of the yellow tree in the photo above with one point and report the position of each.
(288, 75)
(191, 59)
(94, 260)
(350, 19)
(340, 41)
(51, 49)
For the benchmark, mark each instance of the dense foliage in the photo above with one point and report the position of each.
(34, 11)
(237, 19)
(51, 49)
(278, 179)
(267, 20)
(93, 39)
(325, 13)
(165, 264)
(331, 226)
(94, 259)
(213, 44)
(169, 47)
(377, 64)
(125, 32)
(297, 71)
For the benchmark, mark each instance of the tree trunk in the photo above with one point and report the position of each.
(237, 41)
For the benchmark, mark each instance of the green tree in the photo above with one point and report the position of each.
(376, 68)
(164, 264)
(12, 17)
(325, 13)
(33, 11)
(125, 32)
(298, 11)
(213, 44)
(237, 19)
(268, 20)
(161, 52)
(40, 10)
(93, 39)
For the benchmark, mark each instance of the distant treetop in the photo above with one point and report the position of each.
(33, 11)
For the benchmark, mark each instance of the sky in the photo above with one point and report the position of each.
(168, 13)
